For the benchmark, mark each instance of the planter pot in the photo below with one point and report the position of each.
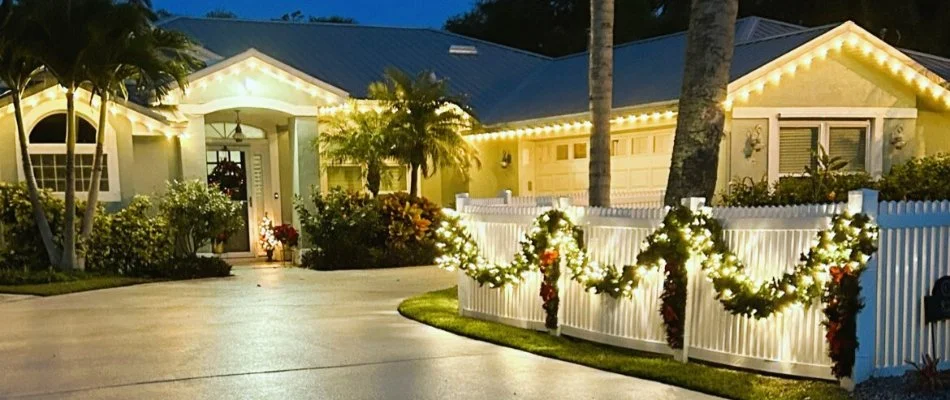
(847, 384)
(217, 247)
(270, 255)
(288, 254)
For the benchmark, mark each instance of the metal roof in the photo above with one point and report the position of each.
(502, 84)
(353, 56)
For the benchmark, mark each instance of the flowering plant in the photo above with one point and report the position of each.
(287, 235)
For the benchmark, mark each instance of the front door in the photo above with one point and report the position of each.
(240, 241)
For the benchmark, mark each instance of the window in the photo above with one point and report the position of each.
(349, 178)
(642, 145)
(50, 172)
(580, 150)
(664, 144)
(799, 143)
(47, 152)
(797, 146)
(561, 152)
(614, 147)
(394, 179)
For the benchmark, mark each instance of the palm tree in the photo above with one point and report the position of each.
(361, 137)
(699, 128)
(129, 49)
(601, 100)
(65, 33)
(17, 69)
(426, 121)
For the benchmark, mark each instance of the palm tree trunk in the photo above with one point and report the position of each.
(373, 177)
(68, 261)
(39, 213)
(92, 201)
(414, 181)
(699, 128)
(601, 100)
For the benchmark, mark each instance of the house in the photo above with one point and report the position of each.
(793, 89)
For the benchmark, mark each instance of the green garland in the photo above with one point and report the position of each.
(830, 270)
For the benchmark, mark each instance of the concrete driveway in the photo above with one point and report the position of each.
(274, 333)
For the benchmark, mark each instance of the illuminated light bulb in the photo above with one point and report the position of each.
(631, 118)
(51, 94)
(775, 78)
(822, 53)
(169, 134)
(852, 40)
(669, 114)
(880, 57)
(806, 61)
(922, 83)
(744, 96)
(837, 44)
(895, 66)
(236, 70)
(519, 132)
(313, 93)
(946, 99)
(203, 84)
(218, 78)
(557, 128)
(588, 124)
(184, 135)
(791, 69)
(727, 105)
(759, 87)
(576, 125)
(252, 64)
(866, 49)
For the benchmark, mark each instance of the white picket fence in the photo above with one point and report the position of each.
(913, 253)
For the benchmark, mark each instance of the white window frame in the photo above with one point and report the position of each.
(876, 116)
(824, 136)
(37, 114)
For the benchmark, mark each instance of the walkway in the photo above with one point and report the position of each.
(274, 333)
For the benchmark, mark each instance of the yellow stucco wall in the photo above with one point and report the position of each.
(156, 156)
(838, 81)
(490, 179)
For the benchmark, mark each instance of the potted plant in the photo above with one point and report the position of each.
(217, 245)
(288, 237)
(267, 239)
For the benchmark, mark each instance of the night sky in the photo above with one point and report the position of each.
(416, 13)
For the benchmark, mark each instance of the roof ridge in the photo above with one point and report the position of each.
(924, 54)
(299, 23)
(775, 21)
(680, 33)
(787, 34)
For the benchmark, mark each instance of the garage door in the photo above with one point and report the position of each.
(640, 160)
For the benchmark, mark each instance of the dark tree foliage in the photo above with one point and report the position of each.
(298, 16)
(559, 27)
(221, 14)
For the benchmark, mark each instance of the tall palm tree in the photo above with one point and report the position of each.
(65, 30)
(601, 100)
(18, 67)
(699, 128)
(361, 137)
(427, 121)
(128, 50)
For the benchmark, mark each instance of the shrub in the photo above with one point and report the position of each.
(353, 230)
(21, 277)
(345, 229)
(195, 267)
(196, 214)
(20, 241)
(924, 178)
(130, 242)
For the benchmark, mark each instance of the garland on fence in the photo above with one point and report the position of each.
(830, 271)
(552, 242)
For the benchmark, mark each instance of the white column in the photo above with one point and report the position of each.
(305, 160)
(194, 158)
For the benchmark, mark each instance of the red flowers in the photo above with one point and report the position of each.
(287, 235)
(549, 257)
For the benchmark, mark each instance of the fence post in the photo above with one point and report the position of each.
(865, 201)
(505, 197)
(461, 200)
(692, 276)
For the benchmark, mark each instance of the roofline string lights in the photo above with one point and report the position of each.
(575, 127)
(153, 126)
(254, 64)
(894, 65)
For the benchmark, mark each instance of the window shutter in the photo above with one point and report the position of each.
(849, 143)
(796, 149)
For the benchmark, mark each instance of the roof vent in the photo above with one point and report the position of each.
(463, 50)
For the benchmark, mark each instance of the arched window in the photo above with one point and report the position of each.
(47, 149)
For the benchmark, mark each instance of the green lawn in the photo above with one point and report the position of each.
(440, 309)
(80, 285)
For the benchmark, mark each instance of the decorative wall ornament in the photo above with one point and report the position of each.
(897, 137)
(505, 159)
(753, 141)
